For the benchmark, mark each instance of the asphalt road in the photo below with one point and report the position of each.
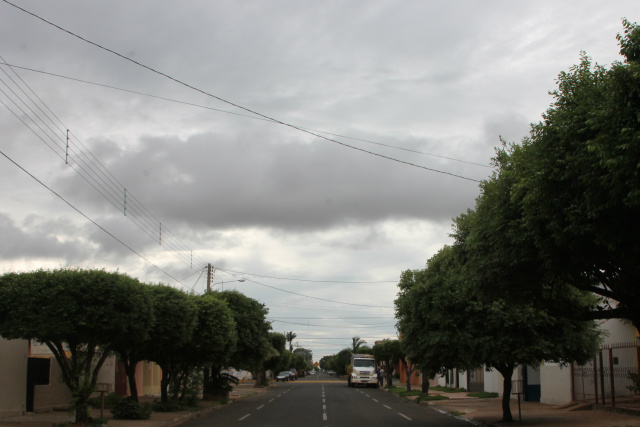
(324, 402)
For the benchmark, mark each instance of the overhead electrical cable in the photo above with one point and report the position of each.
(249, 116)
(88, 166)
(311, 297)
(87, 217)
(153, 70)
(302, 280)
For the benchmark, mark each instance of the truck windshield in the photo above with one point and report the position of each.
(364, 363)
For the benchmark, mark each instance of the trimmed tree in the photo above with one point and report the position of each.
(78, 314)
(252, 329)
(175, 320)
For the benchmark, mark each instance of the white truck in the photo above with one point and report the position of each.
(362, 371)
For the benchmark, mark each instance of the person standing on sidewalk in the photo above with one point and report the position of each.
(380, 376)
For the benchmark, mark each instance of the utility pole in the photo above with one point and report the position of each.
(208, 277)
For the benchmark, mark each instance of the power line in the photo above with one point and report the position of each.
(180, 82)
(311, 297)
(247, 116)
(232, 272)
(89, 167)
(86, 217)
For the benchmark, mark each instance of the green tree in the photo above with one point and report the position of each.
(426, 302)
(307, 355)
(386, 354)
(324, 362)
(290, 337)
(212, 342)
(252, 329)
(130, 351)
(447, 320)
(356, 343)
(176, 317)
(341, 361)
(363, 349)
(278, 345)
(82, 312)
(578, 183)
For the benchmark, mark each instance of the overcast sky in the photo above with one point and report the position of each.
(427, 86)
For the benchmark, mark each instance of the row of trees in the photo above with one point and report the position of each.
(83, 316)
(301, 358)
(340, 362)
(552, 243)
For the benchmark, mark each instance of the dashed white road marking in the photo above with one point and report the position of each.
(388, 407)
(404, 416)
(259, 407)
(240, 419)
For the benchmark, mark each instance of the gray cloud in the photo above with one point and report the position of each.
(436, 77)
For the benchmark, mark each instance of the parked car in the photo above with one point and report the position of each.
(292, 376)
(295, 373)
(283, 376)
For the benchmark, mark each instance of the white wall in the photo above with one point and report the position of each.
(618, 331)
(555, 381)
(13, 376)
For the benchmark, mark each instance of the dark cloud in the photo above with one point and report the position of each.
(447, 79)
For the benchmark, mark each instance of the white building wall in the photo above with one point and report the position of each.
(555, 382)
(618, 331)
(493, 382)
(13, 376)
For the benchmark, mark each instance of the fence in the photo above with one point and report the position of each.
(605, 380)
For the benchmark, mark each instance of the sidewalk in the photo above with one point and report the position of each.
(534, 414)
(158, 419)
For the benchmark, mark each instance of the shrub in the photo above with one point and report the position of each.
(110, 400)
(129, 409)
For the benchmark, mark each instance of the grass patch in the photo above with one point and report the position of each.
(457, 413)
(483, 394)
(429, 397)
(447, 389)
(397, 389)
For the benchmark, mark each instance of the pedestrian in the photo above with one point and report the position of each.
(380, 376)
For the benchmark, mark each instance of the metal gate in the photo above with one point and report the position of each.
(605, 380)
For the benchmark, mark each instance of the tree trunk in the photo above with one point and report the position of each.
(130, 370)
(164, 385)
(425, 383)
(82, 415)
(507, 373)
(409, 372)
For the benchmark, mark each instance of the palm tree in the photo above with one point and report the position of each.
(357, 343)
(290, 336)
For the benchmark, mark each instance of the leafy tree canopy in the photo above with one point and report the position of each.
(576, 180)
(252, 329)
(75, 310)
